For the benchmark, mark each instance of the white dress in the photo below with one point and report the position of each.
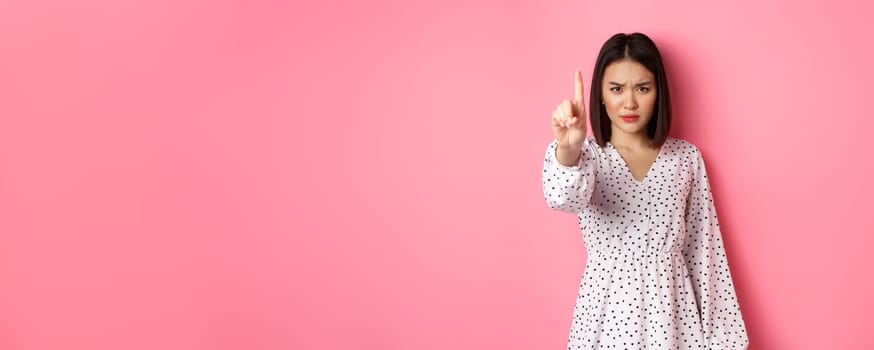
(656, 274)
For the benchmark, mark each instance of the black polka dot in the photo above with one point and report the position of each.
(656, 275)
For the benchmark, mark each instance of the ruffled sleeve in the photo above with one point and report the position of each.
(569, 188)
(706, 261)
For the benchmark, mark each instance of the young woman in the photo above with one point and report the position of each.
(656, 275)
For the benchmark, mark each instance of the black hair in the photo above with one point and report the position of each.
(641, 49)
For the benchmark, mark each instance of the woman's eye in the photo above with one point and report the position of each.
(615, 89)
(644, 89)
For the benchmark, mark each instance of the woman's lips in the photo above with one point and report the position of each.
(630, 118)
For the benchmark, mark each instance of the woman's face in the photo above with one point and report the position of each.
(629, 94)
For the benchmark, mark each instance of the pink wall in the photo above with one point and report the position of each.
(365, 175)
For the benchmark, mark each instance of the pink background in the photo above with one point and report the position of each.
(366, 175)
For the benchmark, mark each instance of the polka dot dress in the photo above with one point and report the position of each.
(656, 274)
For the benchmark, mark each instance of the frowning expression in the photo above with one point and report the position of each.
(629, 95)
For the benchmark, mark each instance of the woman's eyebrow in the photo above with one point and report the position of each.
(638, 84)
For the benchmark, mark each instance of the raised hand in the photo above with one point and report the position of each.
(569, 124)
(568, 119)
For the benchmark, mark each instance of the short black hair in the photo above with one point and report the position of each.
(641, 49)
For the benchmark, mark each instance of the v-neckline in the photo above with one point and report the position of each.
(628, 168)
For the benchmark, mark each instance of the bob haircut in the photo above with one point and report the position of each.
(641, 49)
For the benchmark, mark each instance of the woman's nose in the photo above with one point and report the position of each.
(630, 102)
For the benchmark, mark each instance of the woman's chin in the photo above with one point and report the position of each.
(632, 129)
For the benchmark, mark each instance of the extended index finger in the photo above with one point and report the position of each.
(578, 88)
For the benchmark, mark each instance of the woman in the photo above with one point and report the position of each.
(656, 274)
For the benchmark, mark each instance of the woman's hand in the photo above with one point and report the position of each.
(569, 124)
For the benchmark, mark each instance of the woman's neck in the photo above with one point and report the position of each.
(622, 139)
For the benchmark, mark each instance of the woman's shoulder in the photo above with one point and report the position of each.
(682, 147)
(592, 143)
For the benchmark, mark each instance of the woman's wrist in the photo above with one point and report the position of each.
(568, 155)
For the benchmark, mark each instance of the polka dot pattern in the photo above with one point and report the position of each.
(656, 274)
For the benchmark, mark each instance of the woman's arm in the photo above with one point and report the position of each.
(569, 188)
(707, 264)
(569, 165)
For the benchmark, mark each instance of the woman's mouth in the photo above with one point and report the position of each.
(630, 118)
